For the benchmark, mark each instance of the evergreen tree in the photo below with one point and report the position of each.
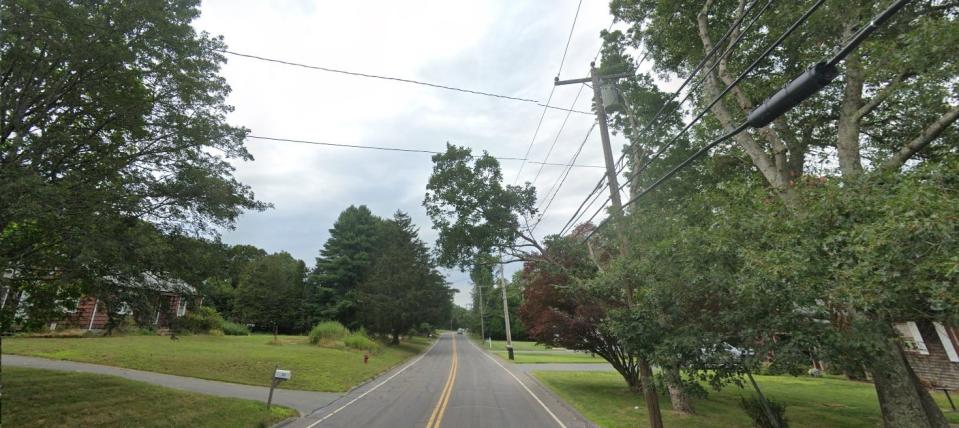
(342, 265)
(271, 293)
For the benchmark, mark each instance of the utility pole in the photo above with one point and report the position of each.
(509, 335)
(479, 289)
(645, 370)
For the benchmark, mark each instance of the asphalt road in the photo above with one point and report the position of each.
(453, 384)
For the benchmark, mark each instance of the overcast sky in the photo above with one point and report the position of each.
(505, 47)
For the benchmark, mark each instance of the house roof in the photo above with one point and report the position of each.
(152, 281)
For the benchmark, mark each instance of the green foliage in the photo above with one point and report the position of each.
(200, 321)
(328, 331)
(424, 329)
(753, 407)
(472, 210)
(359, 340)
(230, 328)
(403, 287)
(344, 262)
(114, 141)
(271, 293)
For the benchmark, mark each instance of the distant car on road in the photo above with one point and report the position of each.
(459, 331)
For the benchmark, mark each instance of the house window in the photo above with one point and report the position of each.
(181, 308)
(909, 332)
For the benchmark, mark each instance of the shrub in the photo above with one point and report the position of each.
(328, 331)
(359, 340)
(425, 329)
(201, 320)
(754, 408)
(230, 328)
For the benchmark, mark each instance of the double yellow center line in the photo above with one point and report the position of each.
(437, 417)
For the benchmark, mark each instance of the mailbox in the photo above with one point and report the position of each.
(282, 374)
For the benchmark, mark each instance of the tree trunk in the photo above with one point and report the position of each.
(649, 394)
(395, 338)
(848, 127)
(900, 395)
(677, 394)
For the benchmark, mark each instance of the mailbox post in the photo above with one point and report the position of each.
(278, 376)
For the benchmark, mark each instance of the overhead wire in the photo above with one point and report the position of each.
(620, 164)
(399, 149)
(552, 91)
(795, 92)
(742, 76)
(564, 175)
(803, 18)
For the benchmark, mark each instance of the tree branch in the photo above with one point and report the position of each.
(927, 136)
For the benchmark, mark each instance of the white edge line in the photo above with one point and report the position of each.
(521, 384)
(375, 387)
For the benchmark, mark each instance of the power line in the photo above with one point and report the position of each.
(552, 90)
(740, 78)
(397, 79)
(564, 176)
(662, 109)
(698, 84)
(796, 91)
(398, 149)
(558, 134)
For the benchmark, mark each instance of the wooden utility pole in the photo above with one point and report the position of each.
(479, 289)
(509, 334)
(645, 370)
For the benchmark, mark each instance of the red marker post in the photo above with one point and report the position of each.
(366, 357)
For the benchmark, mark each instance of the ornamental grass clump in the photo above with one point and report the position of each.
(327, 333)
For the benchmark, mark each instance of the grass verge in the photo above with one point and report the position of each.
(33, 397)
(528, 352)
(240, 359)
(810, 402)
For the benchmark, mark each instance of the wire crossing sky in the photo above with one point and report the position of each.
(458, 58)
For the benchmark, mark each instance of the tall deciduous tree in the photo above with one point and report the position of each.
(893, 103)
(475, 214)
(111, 114)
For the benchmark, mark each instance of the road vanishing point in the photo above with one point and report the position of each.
(453, 384)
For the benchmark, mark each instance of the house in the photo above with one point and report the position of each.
(932, 349)
(166, 298)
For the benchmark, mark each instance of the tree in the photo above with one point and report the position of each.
(560, 310)
(894, 101)
(343, 264)
(403, 288)
(270, 293)
(112, 115)
(472, 210)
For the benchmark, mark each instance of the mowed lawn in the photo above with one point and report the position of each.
(528, 352)
(810, 402)
(33, 397)
(239, 359)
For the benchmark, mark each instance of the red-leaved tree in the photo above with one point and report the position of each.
(559, 311)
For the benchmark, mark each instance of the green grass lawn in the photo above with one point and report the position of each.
(239, 359)
(810, 402)
(33, 397)
(528, 352)
(530, 357)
